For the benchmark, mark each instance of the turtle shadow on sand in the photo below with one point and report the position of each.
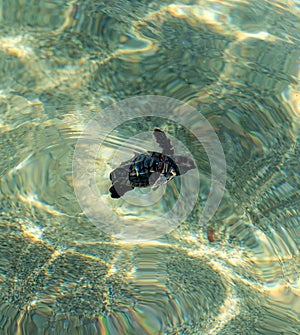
(149, 169)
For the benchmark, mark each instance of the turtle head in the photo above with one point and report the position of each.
(184, 164)
(162, 178)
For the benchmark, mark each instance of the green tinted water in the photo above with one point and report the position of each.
(61, 64)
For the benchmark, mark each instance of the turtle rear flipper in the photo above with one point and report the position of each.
(120, 181)
(163, 141)
(118, 190)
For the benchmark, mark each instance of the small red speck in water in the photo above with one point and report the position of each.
(211, 235)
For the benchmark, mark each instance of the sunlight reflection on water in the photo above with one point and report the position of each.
(236, 62)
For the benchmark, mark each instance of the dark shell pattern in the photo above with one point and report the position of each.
(149, 169)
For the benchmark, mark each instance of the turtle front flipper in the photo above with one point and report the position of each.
(184, 164)
(163, 141)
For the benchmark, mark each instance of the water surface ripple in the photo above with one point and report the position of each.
(62, 63)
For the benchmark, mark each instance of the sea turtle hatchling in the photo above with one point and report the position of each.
(150, 168)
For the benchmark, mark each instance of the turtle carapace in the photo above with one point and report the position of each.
(150, 168)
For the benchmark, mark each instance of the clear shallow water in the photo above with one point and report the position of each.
(63, 63)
